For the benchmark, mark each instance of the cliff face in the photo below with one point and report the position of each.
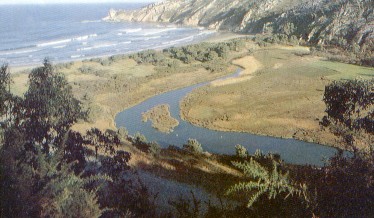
(317, 21)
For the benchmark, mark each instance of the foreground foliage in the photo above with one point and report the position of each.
(271, 182)
(48, 170)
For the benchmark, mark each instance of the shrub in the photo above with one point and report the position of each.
(215, 66)
(149, 56)
(241, 151)
(154, 148)
(193, 146)
(140, 138)
(116, 58)
(85, 69)
(105, 62)
(143, 145)
(122, 133)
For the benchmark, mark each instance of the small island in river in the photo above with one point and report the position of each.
(161, 118)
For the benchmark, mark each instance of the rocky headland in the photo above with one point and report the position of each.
(345, 23)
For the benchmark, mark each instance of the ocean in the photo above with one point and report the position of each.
(69, 32)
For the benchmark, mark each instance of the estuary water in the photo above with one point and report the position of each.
(291, 150)
(30, 33)
(69, 32)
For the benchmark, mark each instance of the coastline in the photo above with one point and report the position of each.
(218, 36)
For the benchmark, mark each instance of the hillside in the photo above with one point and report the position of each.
(346, 23)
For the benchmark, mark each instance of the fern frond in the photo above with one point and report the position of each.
(243, 186)
(255, 197)
(271, 182)
(252, 169)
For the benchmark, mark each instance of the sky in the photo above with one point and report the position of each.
(68, 1)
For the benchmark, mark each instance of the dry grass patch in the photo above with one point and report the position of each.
(283, 98)
(161, 118)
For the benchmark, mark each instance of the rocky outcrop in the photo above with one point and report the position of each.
(317, 21)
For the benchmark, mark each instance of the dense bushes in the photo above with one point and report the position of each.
(149, 57)
(48, 170)
(264, 40)
(362, 57)
(205, 52)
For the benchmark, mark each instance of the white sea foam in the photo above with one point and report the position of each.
(85, 37)
(21, 51)
(131, 30)
(56, 42)
(85, 49)
(91, 21)
(104, 45)
(156, 31)
(64, 41)
(76, 56)
(60, 46)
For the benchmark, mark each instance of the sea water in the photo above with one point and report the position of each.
(68, 32)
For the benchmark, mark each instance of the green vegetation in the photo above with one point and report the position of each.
(241, 151)
(343, 187)
(161, 118)
(268, 39)
(282, 96)
(193, 146)
(141, 143)
(205, 52)
(49, 170)
(271, 182)
(350, 111)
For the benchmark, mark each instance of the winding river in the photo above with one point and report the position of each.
(291, 150)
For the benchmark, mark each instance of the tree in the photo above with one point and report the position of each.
(18, 176)
(49, 108)
(65, 196)
(74, 151)
(345, 185)
(5, 95)
(100, 140)
(38, 184)
(350, 111)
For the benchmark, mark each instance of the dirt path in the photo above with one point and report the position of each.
(249, 64)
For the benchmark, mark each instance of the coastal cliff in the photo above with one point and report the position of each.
(335, 22)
